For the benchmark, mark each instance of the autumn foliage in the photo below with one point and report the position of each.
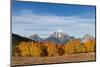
(41, 49)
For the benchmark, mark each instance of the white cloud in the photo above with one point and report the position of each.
(27, 23)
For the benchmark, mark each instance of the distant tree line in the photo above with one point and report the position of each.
(42, 49)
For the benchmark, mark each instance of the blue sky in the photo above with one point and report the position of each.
(45, 18)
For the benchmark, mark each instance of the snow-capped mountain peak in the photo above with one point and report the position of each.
(59, 34)
(87, 37)
(59, 37)
(35, 37)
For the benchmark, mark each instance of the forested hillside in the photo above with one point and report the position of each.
(22, 46)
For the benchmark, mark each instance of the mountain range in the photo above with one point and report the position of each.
(59, 37)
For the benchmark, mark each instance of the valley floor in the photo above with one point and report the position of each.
(81, 57)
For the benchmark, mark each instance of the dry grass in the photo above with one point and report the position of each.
(50, 60)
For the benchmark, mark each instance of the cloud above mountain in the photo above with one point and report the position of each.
(26, 23)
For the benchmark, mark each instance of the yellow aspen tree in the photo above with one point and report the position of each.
(69, 48)
(90, 45)
(52, 49)
(24, 49)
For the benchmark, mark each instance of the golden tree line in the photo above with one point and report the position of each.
(41, 49)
